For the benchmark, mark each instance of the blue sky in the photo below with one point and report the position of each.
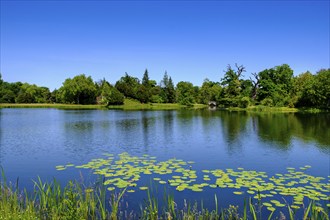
(45, 42)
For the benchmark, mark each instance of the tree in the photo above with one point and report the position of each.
(321, 86)
(145, 79)
(143, 93)
(209, 91)
(79, 90)
(128, 85)
(255, 86)
(276, 84)
(168, 91)
(233, 86)
(231, 81)
(33, 94)
(110, 95)
(185, 93)
(303, 90)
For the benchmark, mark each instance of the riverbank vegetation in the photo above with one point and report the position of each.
(129, 104)
(75, 201)
(274, 87)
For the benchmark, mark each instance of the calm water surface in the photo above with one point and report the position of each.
(34, 141)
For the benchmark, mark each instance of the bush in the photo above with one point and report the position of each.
(244, 102)
(267, 102)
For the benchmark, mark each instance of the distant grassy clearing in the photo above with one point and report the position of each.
(129, 104)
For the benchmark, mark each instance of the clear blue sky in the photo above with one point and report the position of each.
(45, 42)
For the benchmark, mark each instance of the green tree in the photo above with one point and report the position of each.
(145, 79)
(144, 93)
(79, 90)
(128, 86)
(168, 91)
(185, 93)
(209, 91)
(110, 95)
(303, 90)
(8, 91)
(232, 86)
(321, 86)
(276, 84)
(11, 91)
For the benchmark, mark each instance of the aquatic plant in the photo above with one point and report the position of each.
(124, 172)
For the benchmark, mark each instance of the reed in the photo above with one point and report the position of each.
(75, 201)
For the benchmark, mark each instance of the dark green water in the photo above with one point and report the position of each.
(34, 141)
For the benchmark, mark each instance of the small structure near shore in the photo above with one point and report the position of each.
(212, 104)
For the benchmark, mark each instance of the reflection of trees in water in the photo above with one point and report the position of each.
(282, 127)
(314, 127)
(168, 123)
(275, 127)
(77, 137)
(234, 127)
(234, 124)
(1, 139)
(147, 122)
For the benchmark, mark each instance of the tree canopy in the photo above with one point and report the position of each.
(276, 86)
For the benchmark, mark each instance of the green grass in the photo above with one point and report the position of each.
(261, 108)
(129, 104)
(49, 105)
(75, 201)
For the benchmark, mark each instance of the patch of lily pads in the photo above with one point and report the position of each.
(125, 171)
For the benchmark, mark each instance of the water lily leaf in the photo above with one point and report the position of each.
(295, 206)
(267, 204)
(111, 188)
(272, 209)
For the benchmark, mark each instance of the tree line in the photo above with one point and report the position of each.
(276, 86)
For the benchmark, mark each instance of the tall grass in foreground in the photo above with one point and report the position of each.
(74, 201)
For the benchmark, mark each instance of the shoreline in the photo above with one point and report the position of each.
(134, 105)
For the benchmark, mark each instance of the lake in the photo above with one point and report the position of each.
(34, 141)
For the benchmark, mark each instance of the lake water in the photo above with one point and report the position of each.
(34, 141)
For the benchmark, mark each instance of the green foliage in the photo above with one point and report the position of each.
(168, 91)
(321, 86)
(8, 92)
(110, 95)
(128, 86)
(75, 201)
(145, 79)
(244, 102)
(23, 93)
(33, 94)
(210, 91)
(79, 90)
(232, 82)
(303, 91)
(267, 102)
(275, 87)
(276, 84)
(185, 93)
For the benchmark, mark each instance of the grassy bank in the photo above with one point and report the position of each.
(129, 104)
(48, 105)
(75, 201)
